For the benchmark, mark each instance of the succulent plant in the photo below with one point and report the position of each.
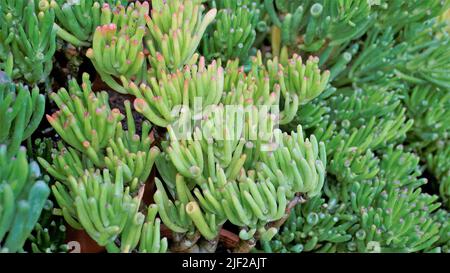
(27, 39)
(319, 23)
(245, 126)
(212, 187)
(117, 46)
(135, 40)
(49, 234)
(315, 226)
(438, 164)
(96, 138)
(431, 123)
(22, 197)
(21, 111)
(102, 205)
(98, 203)
(77, 20)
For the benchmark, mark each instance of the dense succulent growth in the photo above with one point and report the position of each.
(248, 125)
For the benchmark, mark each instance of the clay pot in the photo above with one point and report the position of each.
(78, 241)
(228, 239)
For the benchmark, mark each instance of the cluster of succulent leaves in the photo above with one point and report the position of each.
(385, 126)
(360, 163)
(23, 189)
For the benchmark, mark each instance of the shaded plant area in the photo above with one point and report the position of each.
(92, 160)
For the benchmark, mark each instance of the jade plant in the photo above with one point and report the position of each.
(27, 39)
(158, 101)
(219, 125)
(77, 20)
(102, 205)
(117, 46)
(165, 40)
(316, 226)
(96, 138)
(22, 197)
(21, 111)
